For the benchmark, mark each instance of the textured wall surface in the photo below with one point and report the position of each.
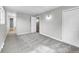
(52, 27)
(23, 24)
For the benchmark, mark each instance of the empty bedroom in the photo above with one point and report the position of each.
(39, 29)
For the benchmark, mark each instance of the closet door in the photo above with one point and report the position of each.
(70, 26)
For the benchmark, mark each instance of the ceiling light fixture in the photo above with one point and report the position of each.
(48, 17)
(37, 20)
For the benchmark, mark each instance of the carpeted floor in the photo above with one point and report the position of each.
(35, 43)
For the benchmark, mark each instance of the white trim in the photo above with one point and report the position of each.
(58, 39)
(51, 37)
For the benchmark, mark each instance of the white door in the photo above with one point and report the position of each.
(33, 24)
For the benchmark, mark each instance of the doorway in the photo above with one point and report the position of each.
(11, 24)
(37, 26)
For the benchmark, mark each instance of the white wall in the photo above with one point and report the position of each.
(23, 24)
(52, 27)
(8, 22)
(70, 26)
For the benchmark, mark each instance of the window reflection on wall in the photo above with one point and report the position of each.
(2, 15)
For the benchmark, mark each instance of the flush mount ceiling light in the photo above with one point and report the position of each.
(37, 20)
(48, 17)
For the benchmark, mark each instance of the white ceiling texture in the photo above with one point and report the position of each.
(31, 10)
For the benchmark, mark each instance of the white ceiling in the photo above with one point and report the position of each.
(32, 10)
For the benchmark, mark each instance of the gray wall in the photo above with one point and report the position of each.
(52, 27)
(23, 25)
(3, 34)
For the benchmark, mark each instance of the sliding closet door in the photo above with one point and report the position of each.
(70, 26)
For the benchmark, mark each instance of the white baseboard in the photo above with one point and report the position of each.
(59, 39)
(51, 37)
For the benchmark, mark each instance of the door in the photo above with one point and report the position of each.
(70, 26)
(11, 24)
(33, 24)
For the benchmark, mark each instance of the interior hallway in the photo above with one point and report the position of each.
(35, 43)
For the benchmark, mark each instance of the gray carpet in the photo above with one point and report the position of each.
(35, 43)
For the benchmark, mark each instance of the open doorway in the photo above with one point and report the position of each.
(37, 25)
(11, 24)
(12, 27)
